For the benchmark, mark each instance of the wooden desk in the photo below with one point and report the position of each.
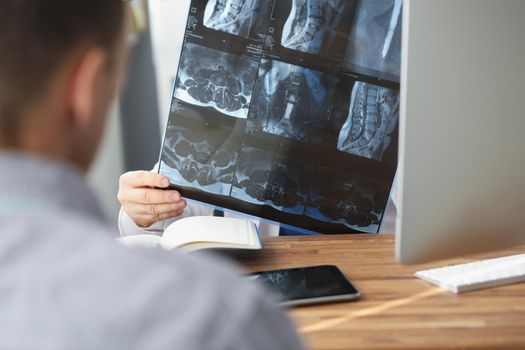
(397, 311)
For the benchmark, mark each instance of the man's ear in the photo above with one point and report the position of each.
(85, 79)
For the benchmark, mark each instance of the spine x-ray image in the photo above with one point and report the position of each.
(375, 39)
(252, 175)
(236, 17)
(288, 110)
(291, 101)
(263, 177)
(193, 160)
(313, 24)
(211, 78)
(373, 116)
(344, 197)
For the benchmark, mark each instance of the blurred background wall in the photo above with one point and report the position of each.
(108, 166)
(167, 25)
(133, 135)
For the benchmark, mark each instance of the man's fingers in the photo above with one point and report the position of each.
(145, 220)
(141, 178)
(162, 209)
(151, 196)
(170, 215)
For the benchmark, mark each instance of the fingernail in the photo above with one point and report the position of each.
(165, 183)
(176, 197)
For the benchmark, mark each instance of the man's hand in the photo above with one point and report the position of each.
(143, 203)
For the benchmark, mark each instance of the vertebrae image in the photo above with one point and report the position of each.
(189, 159)
(343, 197)
(262, 179)
(313, 24)
(236, 17)
(288, 110)
(291, 101)
(375, 39)
(211, 78)
(372, 118)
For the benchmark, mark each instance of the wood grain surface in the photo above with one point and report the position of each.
(397, 310)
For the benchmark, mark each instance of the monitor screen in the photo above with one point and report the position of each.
(461, 164)
(288, 110)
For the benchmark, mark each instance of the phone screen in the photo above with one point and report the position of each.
(308, 282)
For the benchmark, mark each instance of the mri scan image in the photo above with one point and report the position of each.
(313, 25)
(291, 101)
(288, 110)
(215, 79)
(372, 118)
(237, 17)
(346, 198)
(252, 175)
(191, 159)
(375, 39)
(262, 179)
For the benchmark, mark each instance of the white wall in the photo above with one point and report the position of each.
(107, 168)
(167, 25)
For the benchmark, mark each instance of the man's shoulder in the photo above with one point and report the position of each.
(103, 286)
(86, 244)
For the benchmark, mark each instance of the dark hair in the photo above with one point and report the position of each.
(35, 38)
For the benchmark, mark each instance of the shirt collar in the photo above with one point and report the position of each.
(33, 183)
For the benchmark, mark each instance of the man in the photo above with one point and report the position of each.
(64, 282)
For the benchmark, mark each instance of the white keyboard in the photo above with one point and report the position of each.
(477, 275)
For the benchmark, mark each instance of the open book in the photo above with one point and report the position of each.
(201, 232)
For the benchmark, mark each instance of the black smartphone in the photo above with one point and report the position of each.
(308, 285)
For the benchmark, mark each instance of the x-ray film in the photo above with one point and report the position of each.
(288, 110)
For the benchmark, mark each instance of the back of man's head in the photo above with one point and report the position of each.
(36, 38)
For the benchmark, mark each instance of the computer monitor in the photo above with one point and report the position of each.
(462, 128)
